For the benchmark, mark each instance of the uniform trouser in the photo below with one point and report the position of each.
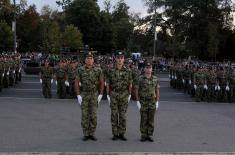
(12, 79)
(46, 87)
(147, 113)
(89, 113)
(199, 92)
(72, 88)
(6, 80)
(1, 81)
(119, 105)
(61, 88)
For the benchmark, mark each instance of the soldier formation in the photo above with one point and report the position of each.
(205, 82)
(121, 81)
(10, 70)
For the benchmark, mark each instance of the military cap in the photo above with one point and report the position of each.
(89, 54)
(147, 64)
(119, 53)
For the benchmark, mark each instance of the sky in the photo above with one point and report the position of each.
(136, 6)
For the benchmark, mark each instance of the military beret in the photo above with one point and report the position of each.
(119, 53)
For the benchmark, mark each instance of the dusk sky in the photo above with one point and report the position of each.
(135, 5)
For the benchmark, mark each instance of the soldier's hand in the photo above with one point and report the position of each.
(99, 98)
(66, 83)
(2, 74)
(51, 80)
(56, 82)
(79, 99)
(40, 81)
(129, 98)
(138, 104)
(157, 105)
(195, 87)
(109, 100)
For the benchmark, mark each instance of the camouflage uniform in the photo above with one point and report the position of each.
(60, 77)
(1, 74)
(198, 85)
(232, 85)
(119, 81)
(7, 73)
(89, 79)
(71, 73)
(46, 75)
(147, 97)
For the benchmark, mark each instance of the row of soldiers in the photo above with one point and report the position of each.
(10, 70)
(64, 73)
(205, 82)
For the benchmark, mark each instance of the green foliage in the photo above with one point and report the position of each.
(6, 36)
(72, 37)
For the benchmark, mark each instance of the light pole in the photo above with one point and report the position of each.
(155, 32)
(14, 25)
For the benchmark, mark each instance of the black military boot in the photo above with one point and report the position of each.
(122, 137)
(115, 137)
(150, 139)
(85, 138)
(93, 138)
(143, 138)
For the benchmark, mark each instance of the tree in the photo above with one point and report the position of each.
(72, 37)
(6, 36)
(84, 14)
(28, 30)
(122, 26)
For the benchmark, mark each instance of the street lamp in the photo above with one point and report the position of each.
(14, 25)
(155, 32)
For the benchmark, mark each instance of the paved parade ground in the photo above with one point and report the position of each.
(30, 123)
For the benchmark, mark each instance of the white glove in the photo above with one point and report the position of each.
(176, 77)
(56, 82)
(109, 100)
(105, 83)
(79, 99)
(129, 98)
(227, 88)
(99, 98)
(2, 74)
(190, 82)
(51, 80)
(205, 86)
(40, 80)
(8, 73)
(183, 81)
(19, 69)
(195, 87)
(66, 83)
(157, 105)
(218, 88)
(14, 71)
(80, 84)
(138, 104)
(169, 76)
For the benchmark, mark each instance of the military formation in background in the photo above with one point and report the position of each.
(10, 70)
(62, 73)
(206, 82)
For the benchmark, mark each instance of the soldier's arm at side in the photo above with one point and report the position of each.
(101, 84)
(157, 89)
(77, 86)
(130, 83)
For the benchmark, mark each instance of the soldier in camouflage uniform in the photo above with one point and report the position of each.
(46, 79)
(89, 77)
(232, 85)
(71, 75)
(199, 84)
(135, 74)
(7, 72)
(147, 101)
(119, 87)
(2, 72)
(12, 72)
(60, 76)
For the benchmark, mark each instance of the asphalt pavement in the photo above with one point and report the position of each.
(30, 123)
